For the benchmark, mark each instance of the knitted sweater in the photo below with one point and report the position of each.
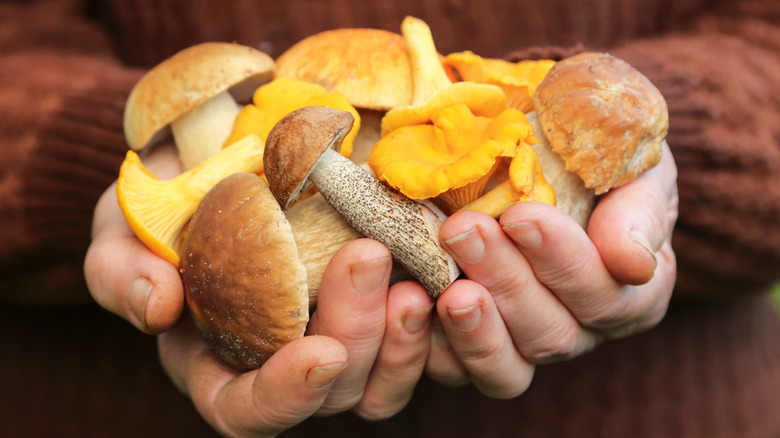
(710, 369)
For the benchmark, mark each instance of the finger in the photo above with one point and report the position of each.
(481, 341)
(631, 223)
(287, 389)
(402, 356)
(122, 275)
(351, 308)
(126, 278)
(443, 365)
(542, 327)
(565, 260)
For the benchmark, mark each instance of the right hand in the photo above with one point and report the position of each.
(366, 347)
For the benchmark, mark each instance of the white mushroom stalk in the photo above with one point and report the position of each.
(302, 149)
(201, 132)
(191, 95)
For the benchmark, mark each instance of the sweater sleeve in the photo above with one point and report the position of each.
(62, 95)
(720, 81)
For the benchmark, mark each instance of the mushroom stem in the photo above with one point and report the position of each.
(319, 232)
(428, 75)
(200, 133)
(408, 228)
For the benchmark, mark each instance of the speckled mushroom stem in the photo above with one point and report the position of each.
(408, 228)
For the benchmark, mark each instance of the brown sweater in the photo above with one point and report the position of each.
(712, 368)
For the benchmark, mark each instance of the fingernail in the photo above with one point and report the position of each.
(468, 247)
(525, 234)
(639, 238)
(416, 320)
(319, 378)
(140, 290)
(369, 277)
(466, 319)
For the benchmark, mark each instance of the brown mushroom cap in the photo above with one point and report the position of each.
(244, 285)
(296, 143)
(186, 80)
(369, 66)
(604, 118)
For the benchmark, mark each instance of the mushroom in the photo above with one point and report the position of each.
(191, 94)
(518, 79)
(279, 97)
(446, 145)
(370, 67)
(433, 89)
(302, 150)
(452, 158)
(526, 183)
(604, 118)
(251, 272)
(158, 210)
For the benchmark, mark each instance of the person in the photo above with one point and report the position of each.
(694, 373)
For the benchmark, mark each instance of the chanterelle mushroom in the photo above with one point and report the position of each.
(433, 89)
(192, 93)
(302, 149)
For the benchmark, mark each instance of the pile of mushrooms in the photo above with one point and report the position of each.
(270, 192)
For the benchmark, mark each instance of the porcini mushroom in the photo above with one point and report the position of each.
(191, 93)
(302, 149)
(244, 280)
(369, 66)
(603, 117)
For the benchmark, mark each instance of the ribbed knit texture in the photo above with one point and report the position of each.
(724, 105)
(150, 31)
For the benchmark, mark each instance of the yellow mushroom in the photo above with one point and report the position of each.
(526, 183)
(157, 211)
(452, 158)
(519, 80)
(280, 97)
(433, 88)
(447, 143)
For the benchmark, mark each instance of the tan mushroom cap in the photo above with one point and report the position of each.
(186, 80)
(370, 67)
(296, 143)
(245, 287)
(604, 118)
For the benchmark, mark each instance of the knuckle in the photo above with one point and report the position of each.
(561, 344)
(564, 276)
(507, 282)
(481, 351)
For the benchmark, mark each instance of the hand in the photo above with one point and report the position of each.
(366, 348)
(542, 290)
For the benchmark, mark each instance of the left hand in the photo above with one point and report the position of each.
(541, 289)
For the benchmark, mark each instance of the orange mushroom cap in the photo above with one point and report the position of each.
(519, 80)
(457, 149)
